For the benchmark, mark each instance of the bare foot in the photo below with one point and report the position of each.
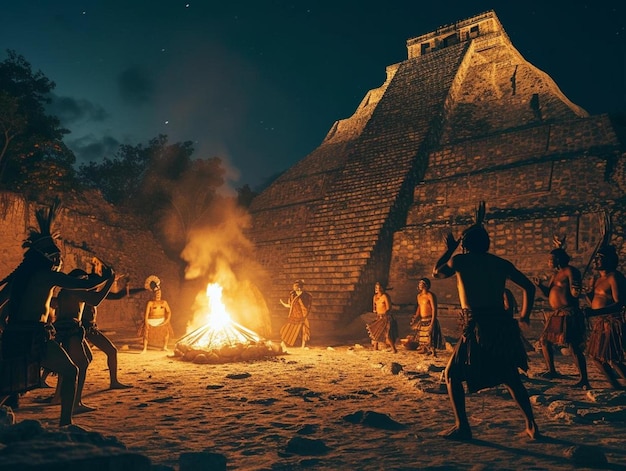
(118, 385)
(82, 408)
(461, 434)
(533, 432)
(144, 351)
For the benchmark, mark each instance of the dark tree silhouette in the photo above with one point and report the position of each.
(33, 158)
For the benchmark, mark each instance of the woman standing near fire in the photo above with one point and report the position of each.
(299, 306)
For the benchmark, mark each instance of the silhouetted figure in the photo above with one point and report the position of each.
(607, 340)
(565, 325)
(297, 325)
(97, 337)
(385, 328)
(27, 294)
(70, 333)
(489, 351)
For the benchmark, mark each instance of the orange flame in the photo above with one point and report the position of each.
(220, 329)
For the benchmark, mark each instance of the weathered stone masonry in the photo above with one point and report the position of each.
(464, 118)
(92, 227)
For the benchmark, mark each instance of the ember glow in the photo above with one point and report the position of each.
(221, 337)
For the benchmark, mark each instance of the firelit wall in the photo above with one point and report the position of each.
(465, 118)
(90, 227)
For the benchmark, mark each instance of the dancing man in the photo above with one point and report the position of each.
(489, 351)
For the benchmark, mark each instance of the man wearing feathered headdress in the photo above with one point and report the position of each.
(565, 324)
(26, 297)
(490, 350)
(157, 327)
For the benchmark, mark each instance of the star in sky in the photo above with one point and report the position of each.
(259, 84)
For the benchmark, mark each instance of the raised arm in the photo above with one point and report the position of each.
(65, 281)
(94, 298)
(443, 267)
(123, 293)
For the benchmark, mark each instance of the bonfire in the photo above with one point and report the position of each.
(221, 339)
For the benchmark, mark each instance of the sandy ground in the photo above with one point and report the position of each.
(249, 412)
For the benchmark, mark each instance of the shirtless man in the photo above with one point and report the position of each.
(425, 322)
(385, 327)
(96, 336)
(158, 315)
(608, 297)
(70, 333)
(565, 325)
(489, 351)
(26, 298)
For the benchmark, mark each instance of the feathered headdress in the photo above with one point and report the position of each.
(479, 215)
(152, 283)
(475, 237)
(42, 239)
(40, 243)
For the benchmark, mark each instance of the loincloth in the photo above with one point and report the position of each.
(490, 349)
(67, 329)
(383, 328)
(565, 327)
(424, 336)
(156, 334)
(606, 341)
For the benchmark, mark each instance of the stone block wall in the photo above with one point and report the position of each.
(464, 120)
(90, 227)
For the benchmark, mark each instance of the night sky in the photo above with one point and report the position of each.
(259, 83)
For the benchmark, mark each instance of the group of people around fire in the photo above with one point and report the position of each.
(52, 331)
(48, 320)
(492, 349)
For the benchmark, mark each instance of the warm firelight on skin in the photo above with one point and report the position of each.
(219, 330)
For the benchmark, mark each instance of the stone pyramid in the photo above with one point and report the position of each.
(464, 118)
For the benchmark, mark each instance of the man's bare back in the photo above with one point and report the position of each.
(481, 279)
